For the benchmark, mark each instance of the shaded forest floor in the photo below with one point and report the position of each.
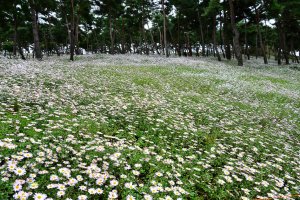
(141, 127)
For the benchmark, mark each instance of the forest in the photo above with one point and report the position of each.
(149, 99)
(226, 29)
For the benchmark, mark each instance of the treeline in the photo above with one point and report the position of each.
(225, 29)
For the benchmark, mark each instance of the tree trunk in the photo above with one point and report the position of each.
(215, 40)
(208, 45)
(222, 35)
(236, 35)
(262, 46)
(46, 44)
(161, 41)
(282, 41)
(35, 31)
(15, 34)
(123, 37)
(285, 51)
(227, 31)
(52, 41)
(111, 35)
(72, 44)
(77, 50)
(296, 57)
(68, 29)
(21, 52)
(143, 31)
(201, 33)
(165, 29)
(279, 56)
(178, 46)
(246, 42)
(190, 53)
(256, 45)
(279, 42)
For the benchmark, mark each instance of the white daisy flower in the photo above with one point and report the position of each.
(20, 171)
(130, 197)
(40, 196)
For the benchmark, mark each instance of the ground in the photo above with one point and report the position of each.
(147, 127)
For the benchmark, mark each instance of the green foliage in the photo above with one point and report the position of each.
(8, 46)
(213, 8)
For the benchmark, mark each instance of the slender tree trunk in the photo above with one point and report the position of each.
(178, 46)
(165, 29)
(77, 50)
(68, 29)
(111, 35)
(256, 45)
(267, 48)
(201, 34)
(72, 45)
(144, 43)
(280, 43)
(296, 57)
(279, 56)
(222, 34)
(190, 53)
(55, 44)
(153, 42)
(123, 36)
(21, 52)
(285, 50)
(15, 34)
(227, 31)
(161, 41)
(262, 46)
(246, 42)
(282, 50)
(236, 35)
(35, 31)
(208, 45)
(46, 44)
(215, 40)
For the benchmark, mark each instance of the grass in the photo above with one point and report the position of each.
(135, 127)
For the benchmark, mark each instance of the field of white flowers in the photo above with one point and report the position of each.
(138, 127)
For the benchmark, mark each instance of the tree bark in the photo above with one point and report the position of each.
(246, 42)
(72, 44)
(123, 37)
(35, 31)
(285, 50)
(165, 29)
(111, 35)
(236, 35)
(222, 34)
(215, 40)
(161, 41)
(201, 33)
(15, 34)
(21, 51)
(77, 50)
(262, 46)
(178, 46)
(227, 31)
(256, 45)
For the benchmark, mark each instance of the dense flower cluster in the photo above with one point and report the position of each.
(137, 127)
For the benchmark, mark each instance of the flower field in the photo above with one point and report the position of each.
(137, 127)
